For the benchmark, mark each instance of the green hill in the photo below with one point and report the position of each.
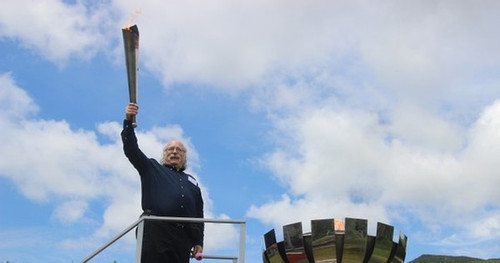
(451, 259)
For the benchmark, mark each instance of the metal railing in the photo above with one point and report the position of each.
(140, 226)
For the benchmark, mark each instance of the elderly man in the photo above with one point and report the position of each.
(166, 191)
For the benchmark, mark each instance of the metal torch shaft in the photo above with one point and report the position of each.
(131, 43)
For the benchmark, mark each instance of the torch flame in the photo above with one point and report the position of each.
(339, 226)
(132, 18)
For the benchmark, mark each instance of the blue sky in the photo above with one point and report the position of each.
(291, 111)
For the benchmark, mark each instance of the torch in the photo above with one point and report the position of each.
(131, 42)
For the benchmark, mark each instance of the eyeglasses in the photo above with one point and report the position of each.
(175, 148)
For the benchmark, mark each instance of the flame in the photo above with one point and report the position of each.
(339, 225)
(132, 18)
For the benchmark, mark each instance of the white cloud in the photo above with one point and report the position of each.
(403, 122)
(50, 162)
(425, 49)
(221, 236)
(419, 51)
(487, 227)
(231, 45)
(287, 211)
(348, 164)
(421, 128)
(54, 29)
(70, 211)
(15, 103)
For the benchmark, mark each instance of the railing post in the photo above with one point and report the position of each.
(242, 242)
(138, 250)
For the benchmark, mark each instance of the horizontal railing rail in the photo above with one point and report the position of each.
(140, 224)
(234, 259)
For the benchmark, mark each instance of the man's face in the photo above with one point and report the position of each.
(175, 154)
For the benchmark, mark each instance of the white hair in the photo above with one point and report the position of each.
(162, 160)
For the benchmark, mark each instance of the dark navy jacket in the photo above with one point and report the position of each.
(165, 191)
